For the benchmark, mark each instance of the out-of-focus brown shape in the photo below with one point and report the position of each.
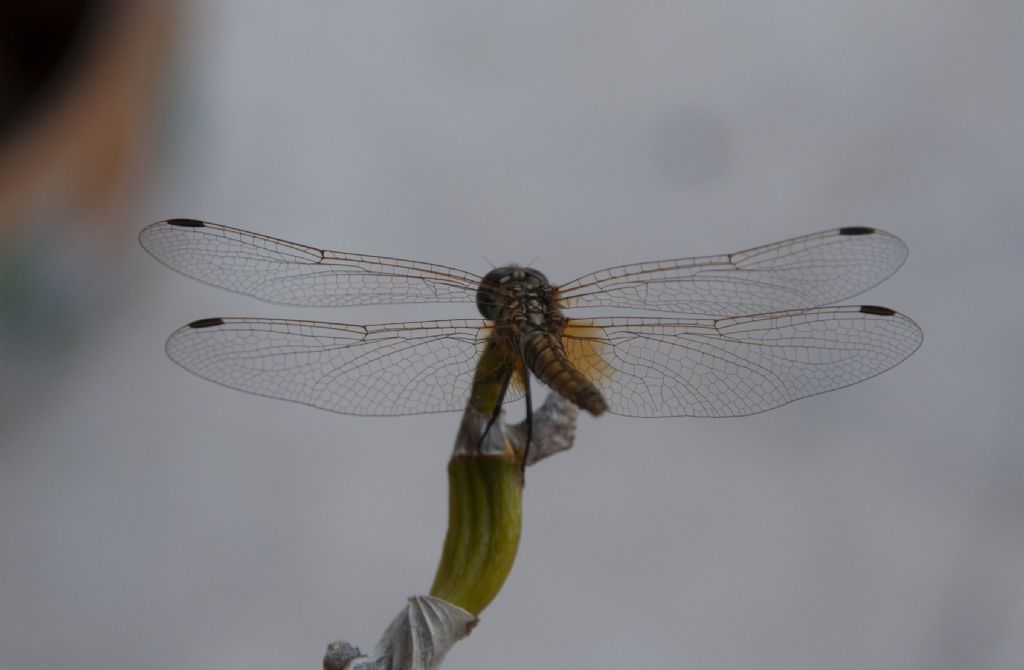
(36, 40)
(79, 81)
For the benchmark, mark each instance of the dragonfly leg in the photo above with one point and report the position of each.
(529, 426)
(495, 413)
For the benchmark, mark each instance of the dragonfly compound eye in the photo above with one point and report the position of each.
(493, 293)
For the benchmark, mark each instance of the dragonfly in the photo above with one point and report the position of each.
(708, 336)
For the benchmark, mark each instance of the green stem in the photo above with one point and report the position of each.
(484, 524)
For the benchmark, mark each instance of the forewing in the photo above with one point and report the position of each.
(382, 370)
(736, 366)
(809, 271)
(295, 274)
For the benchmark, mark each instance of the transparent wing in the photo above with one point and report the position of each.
(295, 274)
(388, 369)
(736, 366)
(810, 271)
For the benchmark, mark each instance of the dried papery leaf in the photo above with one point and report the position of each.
(417, 639)
(554, 428)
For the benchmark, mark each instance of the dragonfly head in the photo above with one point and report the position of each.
(500, 286)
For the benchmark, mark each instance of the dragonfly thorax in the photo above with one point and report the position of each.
(512, 290)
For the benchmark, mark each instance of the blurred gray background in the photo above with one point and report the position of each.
(149, 519)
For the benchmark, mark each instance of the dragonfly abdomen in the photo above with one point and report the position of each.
(543, 354)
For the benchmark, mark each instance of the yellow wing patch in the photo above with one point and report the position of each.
(585, 347)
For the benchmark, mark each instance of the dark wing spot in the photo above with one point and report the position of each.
(856, 230)
(185, 223)
(880, 311)
(206, 323)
